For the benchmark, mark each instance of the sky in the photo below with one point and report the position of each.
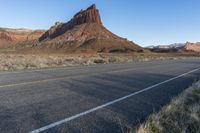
(145, 22)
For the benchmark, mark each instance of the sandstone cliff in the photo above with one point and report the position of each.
(10, 37)
(85, 32)
(192, 46)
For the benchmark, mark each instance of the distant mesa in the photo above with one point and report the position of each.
(192, 46)
(19, 34)
(170, 46)
(85, 32)
(10, 37)
(188, 46)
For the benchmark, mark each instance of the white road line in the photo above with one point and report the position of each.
(70, 76)
(106, 104)
(67, 76)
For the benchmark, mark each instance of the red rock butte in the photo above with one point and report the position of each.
(90, 15)
(85, 32)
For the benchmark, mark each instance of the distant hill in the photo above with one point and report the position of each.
(170, 46)
(188, 46)
(192, 46)
(10, 37)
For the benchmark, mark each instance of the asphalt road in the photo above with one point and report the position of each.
(94, 99)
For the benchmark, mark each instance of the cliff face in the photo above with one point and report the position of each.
(17, 35)
(84, 32)
(5, 35)
(192, 46)
(9, 37)
(90, 15)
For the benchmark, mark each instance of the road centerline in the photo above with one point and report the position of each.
(63, 77)
(69, 76)
(108, 103)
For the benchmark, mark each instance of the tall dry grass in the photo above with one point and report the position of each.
(12, 62)
(182, 115)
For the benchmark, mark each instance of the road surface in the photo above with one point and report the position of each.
(96, 99)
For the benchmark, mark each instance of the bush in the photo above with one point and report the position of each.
(99, 61)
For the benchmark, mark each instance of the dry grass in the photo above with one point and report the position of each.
(11, 62)
(182, 115)
(18, 62)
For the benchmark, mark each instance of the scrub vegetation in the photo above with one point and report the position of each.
(182, 115)
(12, 62)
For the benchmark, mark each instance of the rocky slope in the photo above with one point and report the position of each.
(192, 46)
(10, 37)
(84, 32)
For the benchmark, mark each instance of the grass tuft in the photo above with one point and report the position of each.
(182, 115)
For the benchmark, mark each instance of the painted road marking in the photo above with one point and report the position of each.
(69, 76)
(64, 77)
(107, 104)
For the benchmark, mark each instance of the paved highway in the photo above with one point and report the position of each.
(96, 99)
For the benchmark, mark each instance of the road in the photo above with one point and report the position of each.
(96, 99)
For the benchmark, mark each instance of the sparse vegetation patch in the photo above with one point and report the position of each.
(182, 115)
(12, 62)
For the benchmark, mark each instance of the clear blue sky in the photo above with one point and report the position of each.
(145, 22)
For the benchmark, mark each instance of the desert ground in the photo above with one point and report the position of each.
(12, 61)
